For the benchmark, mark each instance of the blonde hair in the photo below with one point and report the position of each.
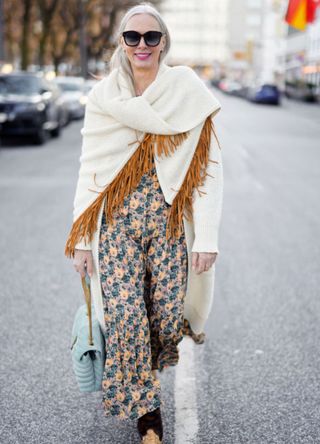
(119, 58)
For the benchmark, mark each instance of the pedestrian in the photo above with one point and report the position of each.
(146, 214)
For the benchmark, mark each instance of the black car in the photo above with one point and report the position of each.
(29, 105)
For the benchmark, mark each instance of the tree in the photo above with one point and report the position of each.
(47, 11)
(48, 30)
(25, 38)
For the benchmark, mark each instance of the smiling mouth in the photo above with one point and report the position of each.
(142, 55)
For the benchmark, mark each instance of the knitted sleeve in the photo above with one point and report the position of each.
(86, 160)
(207, 208)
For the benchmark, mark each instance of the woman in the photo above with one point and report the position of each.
(146, 214)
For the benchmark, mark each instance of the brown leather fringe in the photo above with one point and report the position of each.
(126, 180)
(129, 177)
(195, 177)
(167, 144)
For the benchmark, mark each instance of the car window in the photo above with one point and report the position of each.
(269, 88)
(23, 85)
(66, 86)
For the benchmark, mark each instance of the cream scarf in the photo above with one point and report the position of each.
(171, 120)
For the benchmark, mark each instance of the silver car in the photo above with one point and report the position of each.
(73, 95)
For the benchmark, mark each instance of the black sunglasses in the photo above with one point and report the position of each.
(151, 38)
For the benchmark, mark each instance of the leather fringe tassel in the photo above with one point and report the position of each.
(195, 178)
(129, 177)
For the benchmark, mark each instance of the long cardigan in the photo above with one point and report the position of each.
(201, 223)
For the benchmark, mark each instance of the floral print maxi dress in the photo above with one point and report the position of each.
(143, 278)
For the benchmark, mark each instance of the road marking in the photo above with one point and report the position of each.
(186, 416)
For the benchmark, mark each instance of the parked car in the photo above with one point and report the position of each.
(88, 84)
(74, 95)
(29, 105)
(301, 90)
(265, 93)
(232, 87)
(215, 82)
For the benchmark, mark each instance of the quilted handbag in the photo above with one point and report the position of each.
(88, 345)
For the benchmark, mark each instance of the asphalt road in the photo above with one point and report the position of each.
(256, 378)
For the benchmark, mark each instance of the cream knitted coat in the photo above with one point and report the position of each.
(173, 109)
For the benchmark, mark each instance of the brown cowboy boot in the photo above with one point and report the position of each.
(150, 427)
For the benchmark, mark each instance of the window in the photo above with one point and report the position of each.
(254, 3)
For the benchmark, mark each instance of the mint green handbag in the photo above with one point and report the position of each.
(88, 345)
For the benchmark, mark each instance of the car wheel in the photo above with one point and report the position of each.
(56, 132)
(41, 137)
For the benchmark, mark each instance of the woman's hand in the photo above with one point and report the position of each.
(82, 258)
(202, 261)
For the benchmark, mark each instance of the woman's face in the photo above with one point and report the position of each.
(143, 56)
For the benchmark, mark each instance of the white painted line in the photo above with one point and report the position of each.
(186, 416)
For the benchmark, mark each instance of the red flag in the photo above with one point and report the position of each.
(301, 12)
(311, 10)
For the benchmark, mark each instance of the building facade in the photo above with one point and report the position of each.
(198, 31)
(244, 40)
(302, 71)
